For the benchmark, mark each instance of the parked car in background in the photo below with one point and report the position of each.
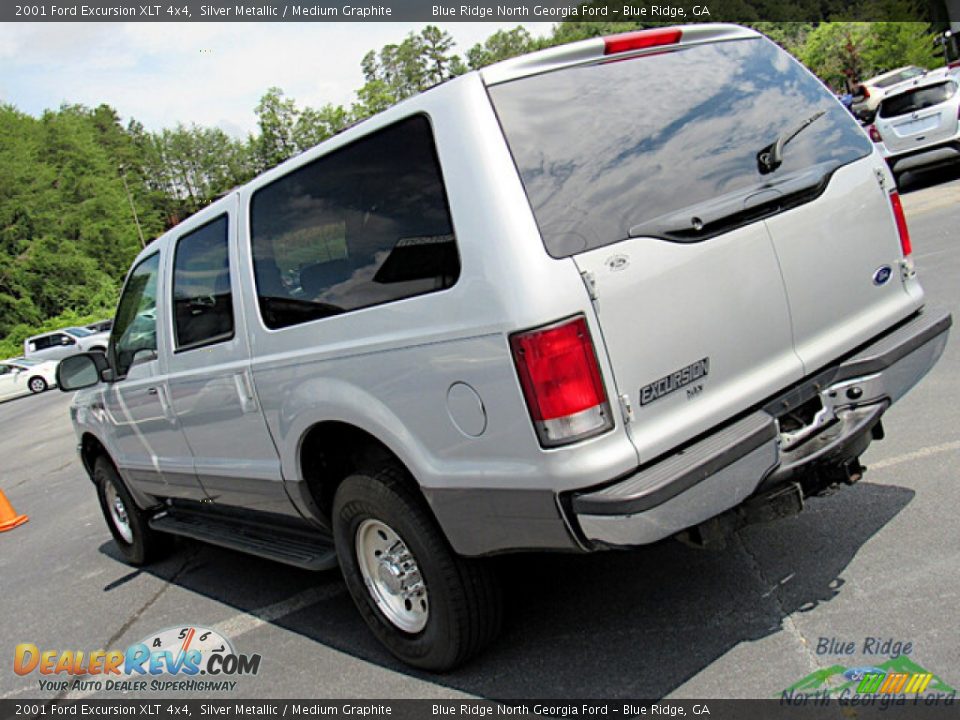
(101, 326)
(868, 94)
(59, 344)
(917, 124)
(21, 376)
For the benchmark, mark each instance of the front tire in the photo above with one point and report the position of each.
(128, 524)
(37, 384)
(430, 607)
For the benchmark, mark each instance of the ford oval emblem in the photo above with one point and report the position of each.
(882, 275)
(617, 262)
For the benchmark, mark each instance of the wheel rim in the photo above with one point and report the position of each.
(118, 514)
(392, 576)
(37, 385)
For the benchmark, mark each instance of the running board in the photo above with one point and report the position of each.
(303, 549)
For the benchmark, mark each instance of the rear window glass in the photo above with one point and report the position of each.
(918, 99)
(605, 148)
(899, 77)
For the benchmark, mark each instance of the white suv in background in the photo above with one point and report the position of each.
(868, 94)
(918, 125)
(63, 343)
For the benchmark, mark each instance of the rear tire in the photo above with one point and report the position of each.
(37, 384)
(128, 524)
(430, 607)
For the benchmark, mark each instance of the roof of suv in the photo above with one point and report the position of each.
(934, 77)
(593, 49)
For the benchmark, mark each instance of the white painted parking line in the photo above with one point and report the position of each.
(916, 455)
(242, 623)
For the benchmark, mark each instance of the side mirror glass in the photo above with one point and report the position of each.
(80, 371)
(68, 341)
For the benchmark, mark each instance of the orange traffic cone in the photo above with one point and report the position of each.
(8, 516)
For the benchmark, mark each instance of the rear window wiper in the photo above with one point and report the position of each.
(771, 157)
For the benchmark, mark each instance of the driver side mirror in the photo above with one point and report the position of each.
(80, 371)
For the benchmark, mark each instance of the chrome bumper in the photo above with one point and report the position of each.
(722, 470)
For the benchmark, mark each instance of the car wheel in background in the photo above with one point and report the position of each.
(37, 384)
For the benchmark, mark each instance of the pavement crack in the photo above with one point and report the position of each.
(139, 613)
(149, 603)
(776, 593)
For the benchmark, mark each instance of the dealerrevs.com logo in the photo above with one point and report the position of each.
(170, 660)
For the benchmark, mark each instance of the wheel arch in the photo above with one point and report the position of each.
(90, 449)
(329, 451)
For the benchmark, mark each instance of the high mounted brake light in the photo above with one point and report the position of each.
(561, 382)
(901, 223)
(641, 39)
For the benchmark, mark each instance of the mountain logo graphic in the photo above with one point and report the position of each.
(899, 675)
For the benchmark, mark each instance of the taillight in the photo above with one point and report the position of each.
(641, 39)
(561, 382)
(874, 134)
(901, 223)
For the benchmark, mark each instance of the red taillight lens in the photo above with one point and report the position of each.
(901, 224)
(874, 134)
(561, 382)
(641, 39)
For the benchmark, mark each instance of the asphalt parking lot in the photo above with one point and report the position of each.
(877, 560)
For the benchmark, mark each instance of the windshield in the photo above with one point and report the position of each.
(918, 99)
(78, 332)
(608, 147)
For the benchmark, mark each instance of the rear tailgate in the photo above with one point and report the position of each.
(648, 173)
(840, 256)
(695, 332)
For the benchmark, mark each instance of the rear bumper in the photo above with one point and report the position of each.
(723, 469)
(941, 153)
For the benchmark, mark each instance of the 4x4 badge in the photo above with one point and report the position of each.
(882, 274)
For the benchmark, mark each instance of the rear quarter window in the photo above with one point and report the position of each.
(364, 225)
(606, 147)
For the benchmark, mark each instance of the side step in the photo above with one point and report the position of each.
(303, 549)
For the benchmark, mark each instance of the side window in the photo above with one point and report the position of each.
(202, 298)
(135, 329)
(40, 343)
(364, 225)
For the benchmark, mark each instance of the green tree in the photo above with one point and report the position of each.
(502, 45)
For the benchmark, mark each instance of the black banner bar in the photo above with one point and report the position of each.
(653, 11)
(862, 708)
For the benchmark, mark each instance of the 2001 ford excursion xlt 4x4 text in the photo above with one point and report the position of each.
(587, 298)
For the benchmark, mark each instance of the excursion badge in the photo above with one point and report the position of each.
(675, 381)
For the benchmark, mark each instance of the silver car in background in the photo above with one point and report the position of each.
(918, 125)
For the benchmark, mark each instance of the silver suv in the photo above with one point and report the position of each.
(563, 303)
(64, 343)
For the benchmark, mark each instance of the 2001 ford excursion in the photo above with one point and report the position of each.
(596, 296)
